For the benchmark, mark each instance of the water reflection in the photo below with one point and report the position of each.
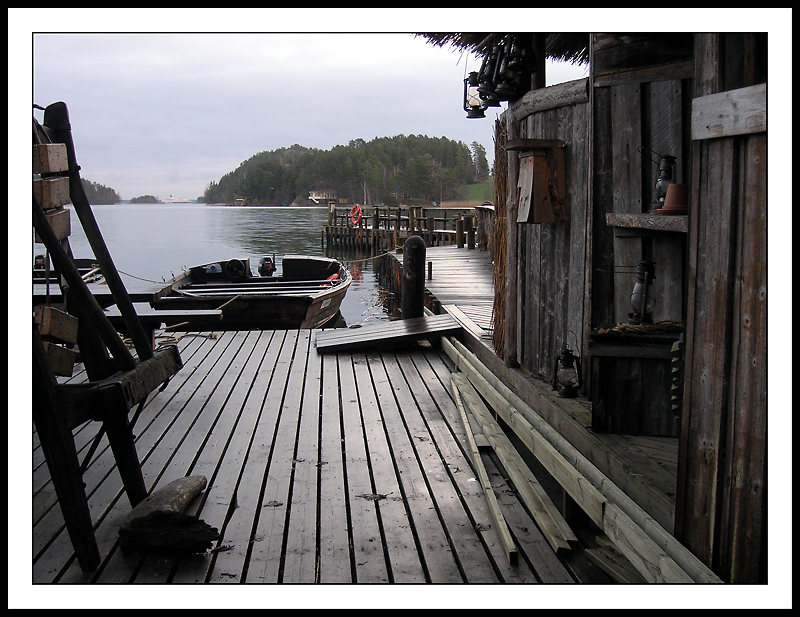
(155, 242)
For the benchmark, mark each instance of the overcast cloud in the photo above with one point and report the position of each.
(166, 114)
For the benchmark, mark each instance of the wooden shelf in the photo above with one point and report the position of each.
(649, 222)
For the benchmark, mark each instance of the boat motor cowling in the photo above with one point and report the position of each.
(266, 267)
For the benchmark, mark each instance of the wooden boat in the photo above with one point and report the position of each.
(89, 270)
(307, 294)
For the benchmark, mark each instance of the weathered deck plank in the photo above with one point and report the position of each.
(343, 467)
(386, 334)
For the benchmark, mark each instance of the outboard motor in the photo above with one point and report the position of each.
(266, 266)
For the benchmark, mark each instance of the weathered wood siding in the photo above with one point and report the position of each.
(628, 115)
(551, 257)
(722, 478)
(546, 270)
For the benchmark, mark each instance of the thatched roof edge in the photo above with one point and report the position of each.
(569, 47)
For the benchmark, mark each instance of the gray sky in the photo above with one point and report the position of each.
(166, 114)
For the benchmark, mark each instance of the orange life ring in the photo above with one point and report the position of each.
(355, 214)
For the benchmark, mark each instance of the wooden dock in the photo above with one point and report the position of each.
(341, 465)
(384, 228)
(461, 285)
(336, 468)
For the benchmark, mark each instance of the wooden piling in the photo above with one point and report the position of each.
(413, 296)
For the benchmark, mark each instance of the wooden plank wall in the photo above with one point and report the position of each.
(551, 256)
(637, 105)
(545, 276)
(722, 477)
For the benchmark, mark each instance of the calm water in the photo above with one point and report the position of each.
(154, 242)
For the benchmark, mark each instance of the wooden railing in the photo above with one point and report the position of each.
(384, 228)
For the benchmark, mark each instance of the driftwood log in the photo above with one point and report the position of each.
(158, 524)
(167, 532)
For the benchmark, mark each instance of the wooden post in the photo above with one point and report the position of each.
(510, 351)
(460, 232)
(56, 119)
(413, 295)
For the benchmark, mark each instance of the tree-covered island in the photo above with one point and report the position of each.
(384, 170)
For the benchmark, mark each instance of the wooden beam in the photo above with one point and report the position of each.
(660, 556)
(49, 158)
(589, 498)
(552, 525)
(552, 97)
(500, 522)
(735, 112)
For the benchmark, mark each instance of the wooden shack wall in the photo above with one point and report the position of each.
(546, 262)
(551, 257)
(722, 475)
(564, 276)
(637, 109)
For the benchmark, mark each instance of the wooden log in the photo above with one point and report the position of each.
(560, 95)
(55, 325)
(51, 192)
(49, 158)
(647, 557)
(589, 487)
(174, 497)
(58, 219)
(500, 522)
(553, 526)
(587, 496)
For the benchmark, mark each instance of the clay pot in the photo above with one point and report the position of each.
(676, 200)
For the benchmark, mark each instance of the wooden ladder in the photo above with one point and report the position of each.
(117, 381)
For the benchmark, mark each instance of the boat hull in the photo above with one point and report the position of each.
(258, 303)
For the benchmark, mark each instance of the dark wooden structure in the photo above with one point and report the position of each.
(384, 228)
(700, 98)
(117, 381)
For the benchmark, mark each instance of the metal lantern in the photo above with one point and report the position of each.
(642, 300)
(567, 378)
(472, 100)
(666, 176)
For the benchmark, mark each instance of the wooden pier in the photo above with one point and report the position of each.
(459, 279)
(382, 228)
(347, 464)
(334, 468)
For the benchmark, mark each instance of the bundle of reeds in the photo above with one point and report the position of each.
(499, 264)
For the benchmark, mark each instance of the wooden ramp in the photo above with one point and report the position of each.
(386, 334)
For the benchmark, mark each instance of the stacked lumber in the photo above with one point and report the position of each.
(52, 193)
(56, 327)
(652, 551)
(544, 512)
(59, 332)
